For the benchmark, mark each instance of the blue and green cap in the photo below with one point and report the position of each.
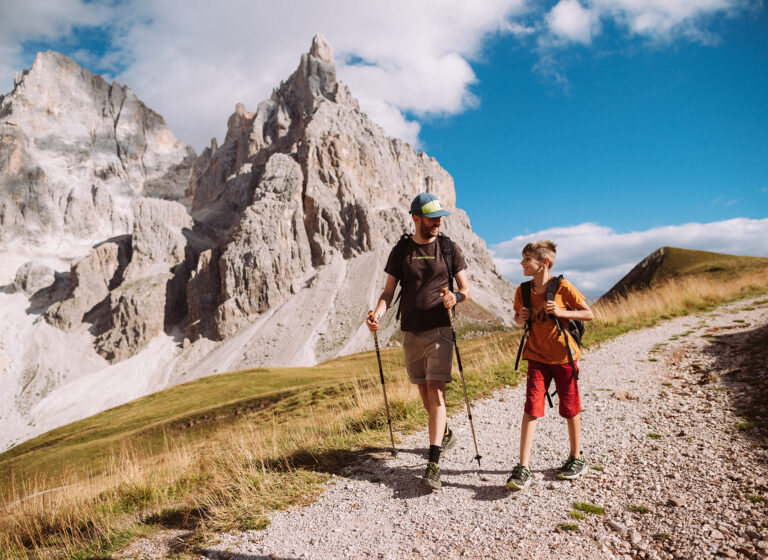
(427, 204)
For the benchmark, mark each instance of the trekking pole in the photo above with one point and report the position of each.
(463, 383)
(383, 387)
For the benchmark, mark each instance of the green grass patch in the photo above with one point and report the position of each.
(653, 435)
(757, 499)
(638, 509)
(586, 507)
(661, 537)
(565, 526)
(653, 359)
(579, 516)
(744, 426)
(666, 384)
(597, 468)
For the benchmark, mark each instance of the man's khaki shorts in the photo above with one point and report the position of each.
(428, 355)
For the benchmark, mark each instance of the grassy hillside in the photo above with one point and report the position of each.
(687, 262)
(671, 262)
(221, 452)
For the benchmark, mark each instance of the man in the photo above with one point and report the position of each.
(419, 265)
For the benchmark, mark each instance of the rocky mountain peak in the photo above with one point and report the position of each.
(71, 145)
(321, 49)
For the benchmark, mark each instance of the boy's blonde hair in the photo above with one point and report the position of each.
(541, 250)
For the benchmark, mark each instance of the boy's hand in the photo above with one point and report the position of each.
(553, 309)
(524, 314)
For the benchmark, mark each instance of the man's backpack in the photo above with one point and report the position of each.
(446, 249)
(573, 329)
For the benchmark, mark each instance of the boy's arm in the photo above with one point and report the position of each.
(581, 313)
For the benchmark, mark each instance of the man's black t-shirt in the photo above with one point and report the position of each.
(423, 274)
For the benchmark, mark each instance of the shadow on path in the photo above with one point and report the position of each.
(741, 361)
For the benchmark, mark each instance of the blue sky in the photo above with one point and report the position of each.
(612, 126)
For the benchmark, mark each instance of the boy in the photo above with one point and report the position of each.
(547, 358)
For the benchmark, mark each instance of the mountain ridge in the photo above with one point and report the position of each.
(673, 262)
(271, 254)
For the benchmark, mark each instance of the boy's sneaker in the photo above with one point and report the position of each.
(520, 478)
(449, 442)
(572, 468)
(431, 478)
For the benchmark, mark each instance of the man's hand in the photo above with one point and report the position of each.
(449, 299)
(372, 322)
(553, 309)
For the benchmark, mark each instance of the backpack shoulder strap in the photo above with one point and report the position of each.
(446, 248)
(402, 243)
(525, 291)
(552, 286)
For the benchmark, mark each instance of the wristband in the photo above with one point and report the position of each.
(459, 297)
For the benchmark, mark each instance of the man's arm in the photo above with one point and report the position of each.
(385, 300)
(450, 299)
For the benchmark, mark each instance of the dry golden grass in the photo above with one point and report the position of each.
(231, 477)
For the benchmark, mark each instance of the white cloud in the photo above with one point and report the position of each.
(595, 257)
(667, 19)
(570, 21)
(193, 60)
(201, 60)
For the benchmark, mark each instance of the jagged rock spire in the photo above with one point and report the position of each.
(321, 49)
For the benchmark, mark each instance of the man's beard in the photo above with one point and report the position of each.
(426, 230)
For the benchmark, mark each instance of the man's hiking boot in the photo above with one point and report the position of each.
(449, 442)
(520, 478)
(431, 478)
(572, 468)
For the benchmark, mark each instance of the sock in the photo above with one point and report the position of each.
(434, 453)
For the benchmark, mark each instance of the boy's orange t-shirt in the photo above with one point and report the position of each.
(545, 344)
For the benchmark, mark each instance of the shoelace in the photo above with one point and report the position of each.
(518, 472)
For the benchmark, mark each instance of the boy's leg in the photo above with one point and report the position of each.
(536, 385)
(570, 409)
(574, 435)
(527, 431)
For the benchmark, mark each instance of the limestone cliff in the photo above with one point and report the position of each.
(307, 191)
(75, 149)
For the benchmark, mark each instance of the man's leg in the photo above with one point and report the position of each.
(433, 397)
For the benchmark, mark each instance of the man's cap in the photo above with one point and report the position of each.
(427, 204)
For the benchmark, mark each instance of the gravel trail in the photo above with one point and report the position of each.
(675, 475)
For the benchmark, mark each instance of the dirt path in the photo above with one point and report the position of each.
(678, 477)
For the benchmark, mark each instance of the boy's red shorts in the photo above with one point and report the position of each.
(540, 376)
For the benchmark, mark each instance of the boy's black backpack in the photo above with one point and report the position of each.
(446, 249)
(574, 329)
